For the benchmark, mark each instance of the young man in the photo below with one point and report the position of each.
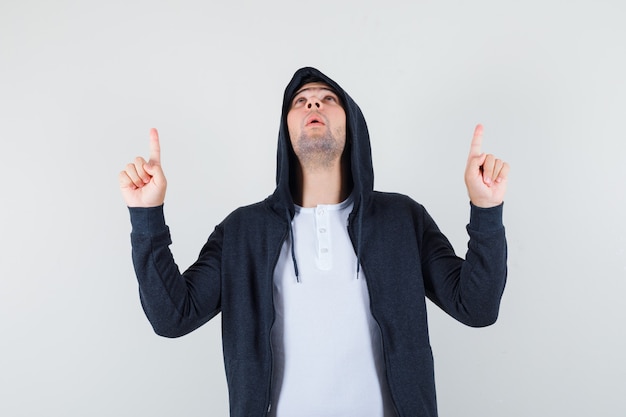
(322, 285)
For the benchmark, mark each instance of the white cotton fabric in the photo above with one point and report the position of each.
(326, 345)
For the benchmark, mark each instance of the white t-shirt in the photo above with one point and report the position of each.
(326, 345)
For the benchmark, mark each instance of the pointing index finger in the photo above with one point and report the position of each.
(477, 141)
(155, 147)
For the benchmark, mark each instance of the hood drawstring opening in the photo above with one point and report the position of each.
(293, 251)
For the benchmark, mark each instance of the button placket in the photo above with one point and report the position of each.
(323, 238)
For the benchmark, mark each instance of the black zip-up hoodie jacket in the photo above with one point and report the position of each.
(401, 251)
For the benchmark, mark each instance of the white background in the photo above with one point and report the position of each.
(81, 83)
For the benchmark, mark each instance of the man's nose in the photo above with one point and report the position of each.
(314, 102)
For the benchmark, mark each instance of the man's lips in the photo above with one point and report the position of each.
(314, 120)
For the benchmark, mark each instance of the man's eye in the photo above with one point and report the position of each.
(330, 98)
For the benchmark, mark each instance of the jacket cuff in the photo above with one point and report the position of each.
(486, 219)
(147, 220)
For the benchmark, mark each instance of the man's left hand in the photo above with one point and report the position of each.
(485, 175)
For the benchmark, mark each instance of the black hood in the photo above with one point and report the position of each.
(357, 144)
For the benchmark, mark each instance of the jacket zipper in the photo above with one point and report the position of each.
(271, 350)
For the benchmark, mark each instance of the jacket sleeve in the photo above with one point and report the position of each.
(469, 290)
(174, 303)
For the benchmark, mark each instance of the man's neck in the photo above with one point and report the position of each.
(321, 186)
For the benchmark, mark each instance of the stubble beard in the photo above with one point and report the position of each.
(320, 151)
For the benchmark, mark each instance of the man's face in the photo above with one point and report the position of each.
(317, 125)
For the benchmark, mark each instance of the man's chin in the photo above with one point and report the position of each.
(316, 133)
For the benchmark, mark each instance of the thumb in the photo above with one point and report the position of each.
(480, 159)
(155, 171)
(474, 164)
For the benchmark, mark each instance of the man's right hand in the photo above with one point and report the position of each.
(142, 183)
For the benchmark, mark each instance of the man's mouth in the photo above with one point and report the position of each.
(314, 120)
